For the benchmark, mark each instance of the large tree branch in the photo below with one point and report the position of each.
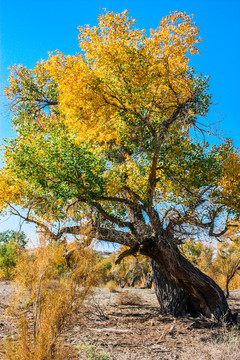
(152, 175)
(133, 194)
(171, 120)
(192, 218)
(100, 233)
(217, 235)
(95, 231)
(113, 219)
(214, 215)
(164, 128)
(115, 236)
(108, 198)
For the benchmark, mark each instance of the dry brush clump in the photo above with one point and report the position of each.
(129, 298)
(112, 286)
(54, 293)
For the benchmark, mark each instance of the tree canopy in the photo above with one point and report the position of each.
(106, 137)
(109, 128)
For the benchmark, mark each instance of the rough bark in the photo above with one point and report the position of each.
(181, 287)
(172, 299)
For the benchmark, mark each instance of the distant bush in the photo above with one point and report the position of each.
(12, 243)
(112, 286)
(104, 269)
(129, 298)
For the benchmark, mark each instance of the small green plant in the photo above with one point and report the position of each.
(93, 353)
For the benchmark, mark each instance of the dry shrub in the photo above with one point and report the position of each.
(112, 286)
(129, 298)
(56, 300)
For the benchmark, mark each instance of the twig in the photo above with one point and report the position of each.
(37, 311)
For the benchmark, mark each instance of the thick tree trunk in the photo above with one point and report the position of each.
(172, 299)
(181, 287)
(199, 293)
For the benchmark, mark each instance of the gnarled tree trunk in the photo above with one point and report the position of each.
(181, 287)
(172, 299)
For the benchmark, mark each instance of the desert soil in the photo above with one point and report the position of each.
(138, 331)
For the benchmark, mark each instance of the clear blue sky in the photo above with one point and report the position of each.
(29, 29)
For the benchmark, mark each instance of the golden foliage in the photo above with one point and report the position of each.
(10, 188)
(122, 72)
(230, 182)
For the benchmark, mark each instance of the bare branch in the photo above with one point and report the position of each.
(126, 253)
(14, 211)
(117, 236)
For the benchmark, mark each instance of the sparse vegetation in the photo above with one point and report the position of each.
(52, 301)
(225, 347)
(127, 331)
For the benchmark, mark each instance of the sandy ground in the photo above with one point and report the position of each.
(138, 331)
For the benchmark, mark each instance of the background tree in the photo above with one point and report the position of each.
(227, 261)
(104, 269)
(201, 255)
(132, 271)
(104, 142)
(223, 263)
(19, 237)
(11, 244)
